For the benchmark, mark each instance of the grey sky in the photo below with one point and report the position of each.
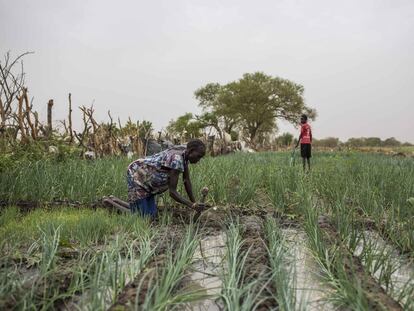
(144, 59)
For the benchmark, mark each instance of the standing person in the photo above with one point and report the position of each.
(158, 173)
(305, 140)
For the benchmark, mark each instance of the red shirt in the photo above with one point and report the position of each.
(305, 134)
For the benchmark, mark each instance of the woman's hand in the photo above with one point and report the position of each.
(199, 206)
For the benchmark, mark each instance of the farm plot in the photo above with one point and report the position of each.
(340, 237)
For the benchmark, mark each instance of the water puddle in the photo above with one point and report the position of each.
(311, 294)
(402, 268)
(206, 270)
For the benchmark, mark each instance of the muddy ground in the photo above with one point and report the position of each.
(213, 223)
(377, 297)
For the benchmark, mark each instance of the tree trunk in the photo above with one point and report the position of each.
(3, 116)
(49, 117)
(253, 132)
(28, 110)
(20, 119)
(70, 119)
(3, 133)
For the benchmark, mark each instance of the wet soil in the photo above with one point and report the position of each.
(257, 263)
(168, 236)
(309, 289)
(402, 266)
(206, 271)
(377, 297)
(381, 228)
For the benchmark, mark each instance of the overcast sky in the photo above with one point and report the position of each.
(145, 59)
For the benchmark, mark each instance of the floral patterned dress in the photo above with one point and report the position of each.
(149, 176)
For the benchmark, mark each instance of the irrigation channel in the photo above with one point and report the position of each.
(400, 266)
(207, 269)
(311, 293)
(253, 259)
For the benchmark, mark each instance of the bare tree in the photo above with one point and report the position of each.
(12, 81)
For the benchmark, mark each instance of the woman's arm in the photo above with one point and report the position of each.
(172, 186)
(187, 183)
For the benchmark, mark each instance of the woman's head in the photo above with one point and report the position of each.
(196, 149)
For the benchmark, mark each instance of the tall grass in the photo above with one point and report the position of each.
(347, 290)
(109, 271)
(164, 292)
(283, 269)
(83, 226)
(83, 256)
(237, 293)
(345, 186)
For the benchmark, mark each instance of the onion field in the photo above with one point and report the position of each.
(340, 237)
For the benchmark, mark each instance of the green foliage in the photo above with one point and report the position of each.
(238, 294)
(329, 142)
(284, 140)
(55, 150)
(77, 180)
(283, 269)
(391, 142)
(141, 129)
(379, 185)
(81, 255)
(373, 142)
(254, 102)
(234, 135)
(185, 126)
(111, 249)
(164, 293)
(84, 227)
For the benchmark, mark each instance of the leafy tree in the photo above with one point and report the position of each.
(210, 119)
(285, 139)
(391, 142)
(355, 142)
(185, 126)
(219, 109)
(254, 103)
(373, 142)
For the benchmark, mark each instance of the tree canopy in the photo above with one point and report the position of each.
(185, 126)
(254, 103)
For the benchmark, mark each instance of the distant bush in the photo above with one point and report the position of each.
(284, 140)
(329, 142)
(374, 142)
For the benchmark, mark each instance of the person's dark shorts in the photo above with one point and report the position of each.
(306, 150)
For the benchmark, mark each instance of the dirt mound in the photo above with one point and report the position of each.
(257, 264)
